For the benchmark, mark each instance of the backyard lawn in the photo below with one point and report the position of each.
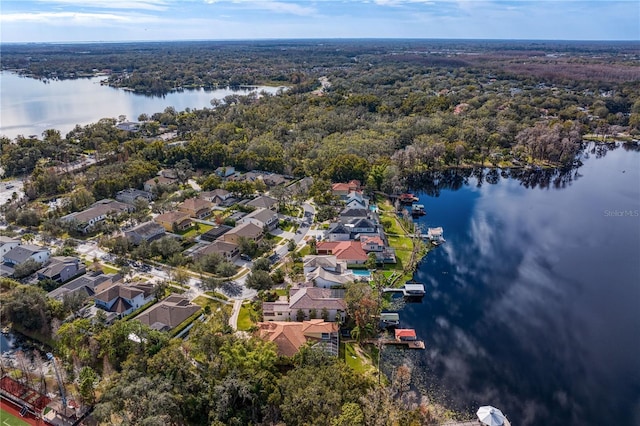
(244, 317)
(193, 232)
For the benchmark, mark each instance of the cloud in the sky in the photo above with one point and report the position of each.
(40, 20)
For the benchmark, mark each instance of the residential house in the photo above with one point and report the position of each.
(169, 313)
(362, 226)
(174, 221)
(99, 211)
(350, 214)
(128, 126)
(308, 299)
(130, 196)
(152, 184)
(229, 251)
(215, 233)
(196, 208)
(217, 196)
(300, 187)
(372, 243)
(20, 254)
(147, 231)
(62, 269)
(326, 278)
(349, 251)
(87, 284)
(343, 189)
(225, 172)
(289, 337)
(236, 216)
(337, 232)
(6, 244)
(249, 230)
(328, 262)
(274, 179)
(356, 200)
(264, 202)
(264, 218)
(123, 299)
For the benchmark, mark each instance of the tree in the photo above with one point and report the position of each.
(371, 262)
(226, 269)
(259, 280)
(261, 264)
(26, 268)
(180, 276)
(87, 382)
(300, 315)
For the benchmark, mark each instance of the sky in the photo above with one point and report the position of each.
(146, 20)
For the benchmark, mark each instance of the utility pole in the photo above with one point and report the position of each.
(60, 383)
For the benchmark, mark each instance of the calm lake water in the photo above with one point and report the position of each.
(29, 106)
(533, 303)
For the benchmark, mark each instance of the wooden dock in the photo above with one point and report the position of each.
(409, 344)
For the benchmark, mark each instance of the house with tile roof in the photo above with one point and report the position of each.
(289, 337)
(309, 300)
(349, 251)
(169, 313)
(341, 189)
(123, 299)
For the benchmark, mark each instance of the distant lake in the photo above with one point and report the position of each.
(29, 106)
(533, 303)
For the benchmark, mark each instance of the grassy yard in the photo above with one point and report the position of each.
(358, 359)
(281, 291)
(304, 251)
(108, 269)
(213, 304)
(245, 321)
(193, 232)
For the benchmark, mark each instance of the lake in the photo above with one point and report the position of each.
(533, 303)
(29, 106)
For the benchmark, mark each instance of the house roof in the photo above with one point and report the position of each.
(87, 283)
(135, 193)
(174, 216)
(362, 223)
(21, 253)
(371, 239)
(354, 212)
(147, 229)
(343, 250)
(327, 275)
(221, 247)
(263, 201)
(314, 298)
(8, 240)
(57, 265)
(405, 332)
(261, 214)
(195, 204)
(161, 180)
(169, 313)
(246, 230)
(97, 209)
(290, 336)
(312, 261)
(338, 228)
(219, 192)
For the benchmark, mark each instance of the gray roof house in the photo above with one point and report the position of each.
(349, 214)
(262, 217)
(227, 250)
(147, 231)
(338, 232)
(169, 313)
(6, 244)
(98, 211)
(22, 253)
(88, 284)
(62, 269)
(264, 202)
(130, 195)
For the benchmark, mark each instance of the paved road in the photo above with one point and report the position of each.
(233, 320)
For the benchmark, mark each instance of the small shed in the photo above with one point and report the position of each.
(405, 334)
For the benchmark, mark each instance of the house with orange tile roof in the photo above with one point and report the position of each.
(341, 189)
(289, 337)
(349, 251)
(174, 221)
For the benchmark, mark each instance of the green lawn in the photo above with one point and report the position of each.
(214, 304)
(108, 269)
(193, 232)
(281, 291)
(9, 419)
(244, 318)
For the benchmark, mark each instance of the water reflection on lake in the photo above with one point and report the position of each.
(30, 106)
(532, 303)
